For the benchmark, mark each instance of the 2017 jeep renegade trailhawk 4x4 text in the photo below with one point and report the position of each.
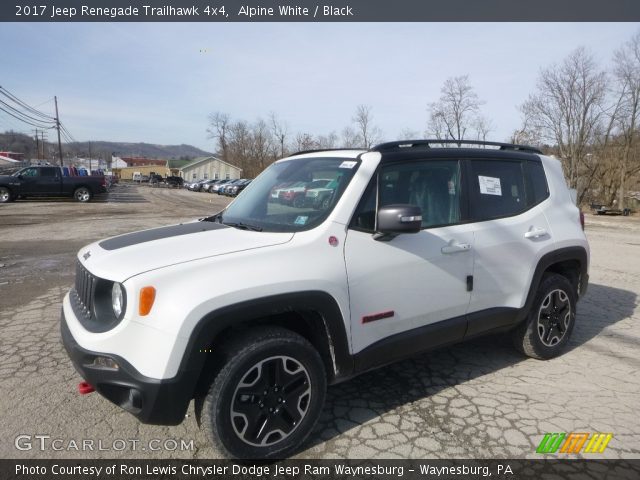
(416, 245)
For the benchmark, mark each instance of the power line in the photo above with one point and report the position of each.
(46, 101)
(23, 104)
(39, 125)
(66, 132)
(36, 118)
(23, 115)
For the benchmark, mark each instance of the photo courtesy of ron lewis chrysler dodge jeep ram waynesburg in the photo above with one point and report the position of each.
(418, 244)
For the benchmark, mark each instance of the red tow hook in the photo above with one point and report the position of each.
(84, 388)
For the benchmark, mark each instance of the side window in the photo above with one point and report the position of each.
(31, 172)
(48, 172)
(537, 183)
(496, 189)
(433, 185)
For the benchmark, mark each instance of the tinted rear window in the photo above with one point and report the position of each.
(497, 189)
(538, 188)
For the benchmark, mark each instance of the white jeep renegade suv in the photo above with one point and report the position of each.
(253, 311)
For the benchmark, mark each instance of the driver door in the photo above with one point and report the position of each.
(29, 179)
(410, 292)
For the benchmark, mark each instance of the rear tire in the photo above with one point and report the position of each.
(267, 397)
(547, 329)
(82, 194)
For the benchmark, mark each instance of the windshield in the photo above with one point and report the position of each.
(286, 197)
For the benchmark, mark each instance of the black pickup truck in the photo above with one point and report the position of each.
(47, 181)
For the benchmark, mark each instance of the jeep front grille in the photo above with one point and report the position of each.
(85, 289)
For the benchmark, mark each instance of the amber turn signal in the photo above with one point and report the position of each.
(147, 297)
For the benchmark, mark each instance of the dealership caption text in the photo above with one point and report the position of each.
(258, 470)
(218, 11)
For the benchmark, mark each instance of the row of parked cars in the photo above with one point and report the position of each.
(315, 193)
(230, 188)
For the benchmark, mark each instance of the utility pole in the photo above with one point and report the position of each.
(37, 145)
(58, 128)
(42, 138)
(90, 158)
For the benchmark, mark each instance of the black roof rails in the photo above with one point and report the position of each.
(401, 144)
(302, 152)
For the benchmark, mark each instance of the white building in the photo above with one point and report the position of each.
(209, 168)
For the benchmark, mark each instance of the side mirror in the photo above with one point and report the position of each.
(396, 219)
(20, 177)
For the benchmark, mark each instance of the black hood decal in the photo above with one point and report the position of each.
(135, 238)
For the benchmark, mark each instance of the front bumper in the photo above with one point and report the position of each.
(157, 402)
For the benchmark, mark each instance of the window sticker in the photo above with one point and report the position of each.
(301, 219)
(348, 164)
(489, 185)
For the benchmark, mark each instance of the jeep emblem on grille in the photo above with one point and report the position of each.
(86, 255)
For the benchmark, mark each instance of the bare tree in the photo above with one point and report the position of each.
(262, 147)
(363, 119)
(483, 126)
(455, 111)
(279, 130)
(219, 129)
(350, 138)
(328, 141)
(408, 134)
(627, 79)
(568, 108)
(304, 141)
(239, 145)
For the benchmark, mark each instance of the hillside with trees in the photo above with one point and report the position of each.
(21, 143)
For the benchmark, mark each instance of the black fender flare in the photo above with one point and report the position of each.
(578, 254)
(320, 303)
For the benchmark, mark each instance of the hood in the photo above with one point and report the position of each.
(9, 179)
(119, 258)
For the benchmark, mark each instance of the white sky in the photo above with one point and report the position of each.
(157, 82)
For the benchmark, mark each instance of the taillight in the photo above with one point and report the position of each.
(582, 220)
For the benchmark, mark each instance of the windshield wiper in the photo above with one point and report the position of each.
(243, 226)
(213, 218)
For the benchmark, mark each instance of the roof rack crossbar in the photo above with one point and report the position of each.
(428, 144)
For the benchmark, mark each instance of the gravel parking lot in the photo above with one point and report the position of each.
(479, 400)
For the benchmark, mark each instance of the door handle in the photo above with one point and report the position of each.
(455, 247)
(536, 232)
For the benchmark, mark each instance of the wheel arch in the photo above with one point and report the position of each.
(315, 315)
(83, 185)
(570, 262)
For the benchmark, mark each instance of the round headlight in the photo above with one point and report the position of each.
(117, 299)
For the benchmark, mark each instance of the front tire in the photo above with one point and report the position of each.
(549, 324)
(298, 201)
(267, 398)
(82, 194)
(5, 195)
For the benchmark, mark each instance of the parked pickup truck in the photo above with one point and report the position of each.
(49, 182)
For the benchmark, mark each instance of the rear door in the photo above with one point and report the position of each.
(507, 199)
(49, 182)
